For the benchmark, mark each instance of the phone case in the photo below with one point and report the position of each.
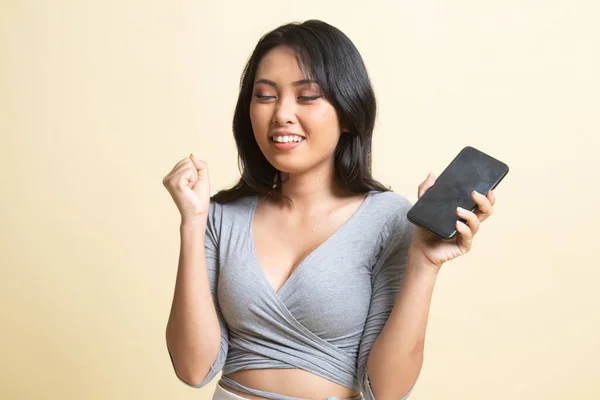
(470, 170)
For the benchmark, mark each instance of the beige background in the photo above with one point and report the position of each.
(99, 99)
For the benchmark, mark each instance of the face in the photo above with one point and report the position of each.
(295, 126)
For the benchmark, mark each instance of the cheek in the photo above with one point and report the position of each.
(323, 122)
(259, 116)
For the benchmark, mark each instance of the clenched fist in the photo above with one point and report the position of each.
(189, 186)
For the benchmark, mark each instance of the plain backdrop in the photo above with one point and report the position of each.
(100, 99)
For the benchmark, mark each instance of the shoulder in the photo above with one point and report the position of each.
(390, 205)
(233, 210)
(392, 208)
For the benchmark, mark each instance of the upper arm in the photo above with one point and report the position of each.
(211, 246)
(387, 275)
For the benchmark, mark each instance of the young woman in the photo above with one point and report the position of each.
(305, 280)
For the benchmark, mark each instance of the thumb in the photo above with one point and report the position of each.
(430, 179)
(197, 163)
(202, 171)
(427, 183)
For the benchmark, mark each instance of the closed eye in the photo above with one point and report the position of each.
(301, 98)
(260, 97)
(309, 98)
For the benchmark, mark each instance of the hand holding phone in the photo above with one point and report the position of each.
(470, 170)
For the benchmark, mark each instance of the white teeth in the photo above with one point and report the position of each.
(287, 139)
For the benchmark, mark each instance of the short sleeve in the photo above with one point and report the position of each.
(211, 245)
(388, 272)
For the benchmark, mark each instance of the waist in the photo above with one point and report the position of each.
(284, 384)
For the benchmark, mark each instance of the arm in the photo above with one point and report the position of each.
(197, 337)
(396, 357)
(410, 265)
(391, 350)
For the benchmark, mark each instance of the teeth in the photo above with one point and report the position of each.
(287, 139)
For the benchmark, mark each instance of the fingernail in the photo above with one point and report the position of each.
(477, 193)
(191, 155)
(460, 210)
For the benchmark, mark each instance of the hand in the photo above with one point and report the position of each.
(437, 250)
(189, 186)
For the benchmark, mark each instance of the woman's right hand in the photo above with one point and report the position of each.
(189, 186)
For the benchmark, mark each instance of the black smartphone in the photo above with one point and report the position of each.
(470, 170)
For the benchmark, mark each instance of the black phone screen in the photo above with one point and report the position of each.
(470, 170)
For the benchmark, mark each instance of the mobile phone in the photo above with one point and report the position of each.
(470, 170)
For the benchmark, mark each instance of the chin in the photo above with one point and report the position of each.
(290, 162)
(288, 166)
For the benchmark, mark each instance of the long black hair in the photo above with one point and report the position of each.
(327, 55)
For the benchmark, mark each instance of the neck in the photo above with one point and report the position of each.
(310, 189)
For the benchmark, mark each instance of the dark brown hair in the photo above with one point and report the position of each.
(326, 55)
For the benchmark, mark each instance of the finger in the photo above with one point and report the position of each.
(180, 163)
(472, 220)
(199, 164)
(201, 169)
(491, 197)
(177, 169)
(185, 160)
(426, 184)
(466, 237)
(483, 204)
(188, 169)
(185, 164)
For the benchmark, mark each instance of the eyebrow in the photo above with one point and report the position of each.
(297, 83)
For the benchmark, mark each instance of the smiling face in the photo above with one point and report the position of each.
(295, 126)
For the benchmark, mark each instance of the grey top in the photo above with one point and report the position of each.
(327, 315)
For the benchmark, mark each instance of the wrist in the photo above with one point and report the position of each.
(419, 260)
(196, 222)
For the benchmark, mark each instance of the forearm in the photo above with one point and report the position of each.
(193, 332)
(396, 357)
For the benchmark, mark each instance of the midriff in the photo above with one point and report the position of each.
(292, 382)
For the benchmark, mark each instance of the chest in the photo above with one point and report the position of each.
(327, 291)
(314, 275)
(281, 243)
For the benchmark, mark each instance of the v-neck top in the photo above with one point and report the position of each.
(328, 313)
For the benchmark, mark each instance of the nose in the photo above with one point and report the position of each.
(285, 112)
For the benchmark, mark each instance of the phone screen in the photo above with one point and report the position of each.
(470, 170)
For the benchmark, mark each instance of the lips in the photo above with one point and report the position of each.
(287, 142)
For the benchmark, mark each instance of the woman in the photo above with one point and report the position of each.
(304, 280)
